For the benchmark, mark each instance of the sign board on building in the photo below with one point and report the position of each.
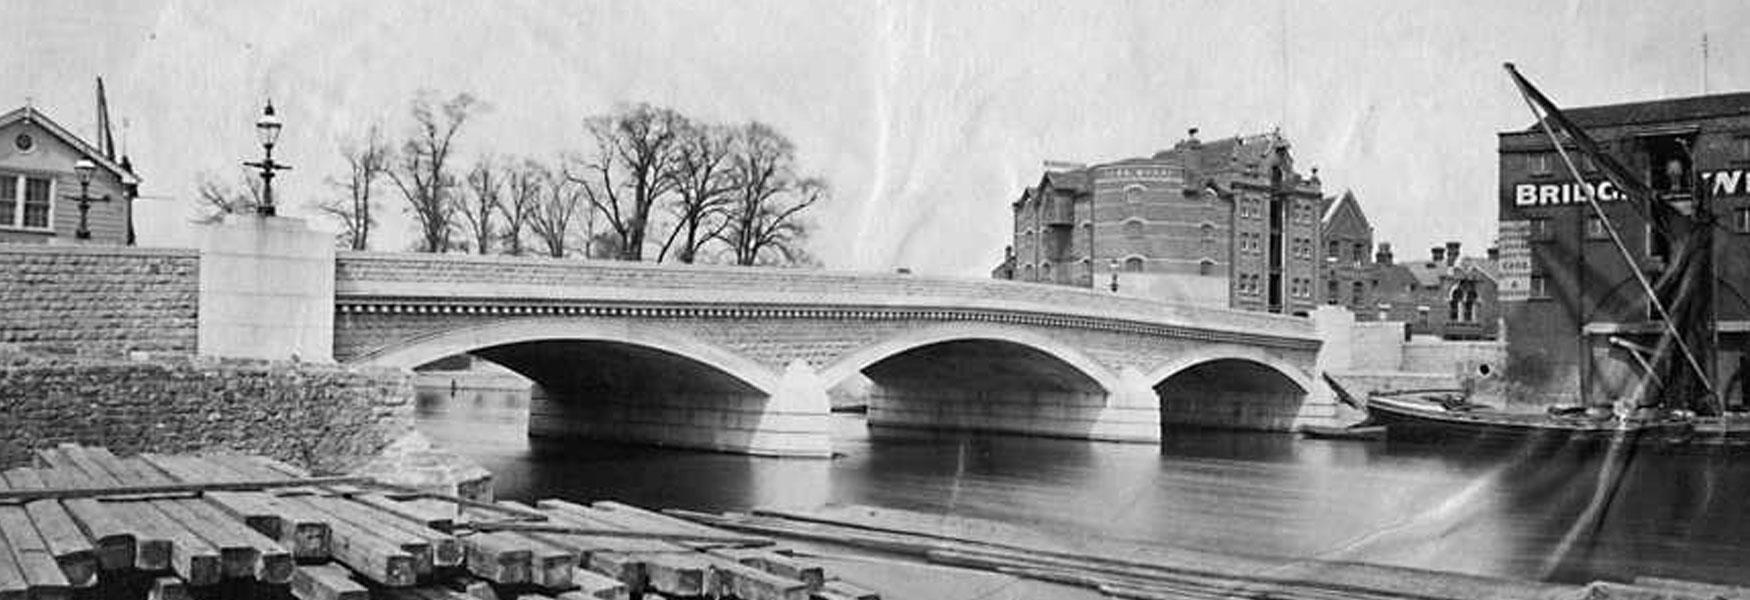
(1515, 261)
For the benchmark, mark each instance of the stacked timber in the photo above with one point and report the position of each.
(87, 523)
(1122, 570)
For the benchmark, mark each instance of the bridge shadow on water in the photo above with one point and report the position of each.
(1569, 512)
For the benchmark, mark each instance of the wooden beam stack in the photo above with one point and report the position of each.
(88, 523)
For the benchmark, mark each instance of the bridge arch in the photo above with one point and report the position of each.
(425, 349)
(980, 377)
(862, 358)
(1229, 386)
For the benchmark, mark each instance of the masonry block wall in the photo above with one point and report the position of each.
(98, 299)
(322, 416)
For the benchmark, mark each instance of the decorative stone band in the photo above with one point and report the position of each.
(673, 310)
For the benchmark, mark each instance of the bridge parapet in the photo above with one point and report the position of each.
(366, 279)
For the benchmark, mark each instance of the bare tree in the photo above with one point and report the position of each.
(634, 151)
(215, 198)
(367, 163)
(764, 227)
(554, 219)
(522, 186)
(483, 200)
(422, 171)
(701, 178)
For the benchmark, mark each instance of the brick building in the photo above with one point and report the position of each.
(1569, 295)
(1227, 222)
(39, 188)
(1449, 295)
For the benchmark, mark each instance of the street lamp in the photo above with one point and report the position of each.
(84, 169)
(267, 130)
(1114, 265)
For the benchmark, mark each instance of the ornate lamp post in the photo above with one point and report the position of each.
(84, 169)
(1114, 265)
(267, 130)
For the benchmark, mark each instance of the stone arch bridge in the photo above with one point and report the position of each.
(741, 359)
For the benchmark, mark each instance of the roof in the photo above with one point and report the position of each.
(1348, 197)
(1488, 268)
(1075, 181)
(30, 114)
(1659, 111)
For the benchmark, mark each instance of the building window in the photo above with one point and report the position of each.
(26, 202)
(1133, 265)
(1540, 164)
(1026, 272)
(1595, 228)
(1360, 252)
(1207, 231)
(1206, 267)
(1539, 286)
(1538, 228)
(1668, 163)
(1133, 228)
(1133, 194)
(1333, 249)
(1357, 293)
(1741, 219)
(1331, 288)
(1045, 271)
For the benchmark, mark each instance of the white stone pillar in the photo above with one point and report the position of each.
(266, 290)
(1336, 330)
(1132, 412)
(797, 420)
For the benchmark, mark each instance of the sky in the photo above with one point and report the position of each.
(927, 118)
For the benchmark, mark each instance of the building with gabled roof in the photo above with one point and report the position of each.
(40, 190)
(1227, 222)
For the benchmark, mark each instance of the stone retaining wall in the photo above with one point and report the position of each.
(98, 300)
(323, 416)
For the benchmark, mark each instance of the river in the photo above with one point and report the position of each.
(1552, 515)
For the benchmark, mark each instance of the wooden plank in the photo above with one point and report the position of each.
(190, 556)
(73, 553)
(776, 564)
(251, 509)
(592, 585)
(326, 582)
(678, 574)
(654, 521)
(168, 588)
(81, 459)
(731, 578)
(446, 549)
(849, 590)
(32, 553)
(183, 488)
(343, 510)
(12, 583)
(583, 516)
(419, 511)
(501, 558)
(115, 540)
(273, 563)
(376, 560)
(236, 557)
(305, 532)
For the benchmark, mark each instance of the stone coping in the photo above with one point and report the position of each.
(96, 250)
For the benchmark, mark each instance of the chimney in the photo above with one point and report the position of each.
(1383, 254)
(1438, 253)
(1494, 253)
(1451, 253)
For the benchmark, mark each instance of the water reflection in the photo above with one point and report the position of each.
(1476, 509)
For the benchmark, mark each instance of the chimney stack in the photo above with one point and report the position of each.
(1383, 254)
(1451, 253)
(1494, 253)
(1438, 254)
